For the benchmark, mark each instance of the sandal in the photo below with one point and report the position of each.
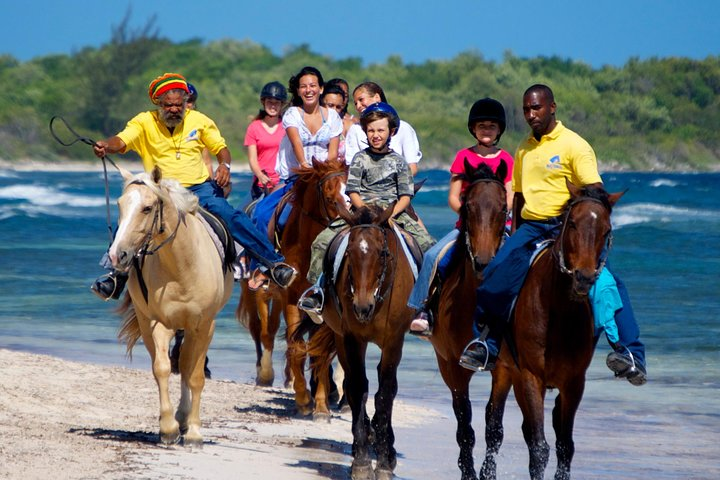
(421, 326)
(257, 281)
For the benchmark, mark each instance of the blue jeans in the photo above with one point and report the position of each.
(418, 296)
(506, 273)
(242, 229)
(265, 208)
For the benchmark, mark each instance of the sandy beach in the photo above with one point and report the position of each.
(61, 419)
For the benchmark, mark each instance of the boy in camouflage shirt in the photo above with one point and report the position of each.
(377, 176)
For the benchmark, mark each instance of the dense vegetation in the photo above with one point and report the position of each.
(659, 113)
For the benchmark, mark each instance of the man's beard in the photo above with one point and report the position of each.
(170, 119)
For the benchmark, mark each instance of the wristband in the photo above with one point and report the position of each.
(226, 165)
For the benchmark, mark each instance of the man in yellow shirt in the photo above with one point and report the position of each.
(549, 156)
(173, 138)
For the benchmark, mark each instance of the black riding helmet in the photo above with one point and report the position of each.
(274, 90)
(487, 109)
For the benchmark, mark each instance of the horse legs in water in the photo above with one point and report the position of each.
(530, 396)
(458, 381)
(494, 412)
(566, 405)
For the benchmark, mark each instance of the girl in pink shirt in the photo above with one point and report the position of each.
(263, 138)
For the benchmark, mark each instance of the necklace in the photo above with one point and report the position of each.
(178, 144)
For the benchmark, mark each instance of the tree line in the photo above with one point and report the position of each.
(661, 113)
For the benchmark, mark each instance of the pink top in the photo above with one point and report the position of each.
(267, 146)
(458, 165)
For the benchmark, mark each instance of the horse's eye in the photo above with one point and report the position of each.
(147, 209)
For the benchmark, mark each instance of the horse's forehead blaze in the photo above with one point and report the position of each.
(130, 201)
(364, 247)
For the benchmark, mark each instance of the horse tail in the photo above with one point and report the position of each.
(246, 309)
(320, 346)
(130, 327)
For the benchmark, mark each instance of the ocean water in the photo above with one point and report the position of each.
(666, 249)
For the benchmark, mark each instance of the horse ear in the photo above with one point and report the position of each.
(386, 214)
(126, 174)
(156, 174)
(469, 169)
(614, 197)
(501, 171)
(574, 190)
(343, 212)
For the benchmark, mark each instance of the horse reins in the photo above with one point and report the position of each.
(378, 295)
(105, 159)
(325, 219)
(560, 255)
(468, 246)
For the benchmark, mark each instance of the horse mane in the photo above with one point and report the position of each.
(367, 214)
(310, 175)
(168, 190)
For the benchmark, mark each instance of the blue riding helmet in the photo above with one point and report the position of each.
(385, 108)
(192, 93)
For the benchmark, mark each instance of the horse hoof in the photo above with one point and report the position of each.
(362, 472)
(264, 382)
(193, 442)
(321, 417)
(170, 438)
(384, 474)
(304, 411)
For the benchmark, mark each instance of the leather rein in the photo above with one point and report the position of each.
(468, 245)
(559, 254)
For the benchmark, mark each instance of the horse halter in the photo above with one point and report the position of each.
(468, 245)
(325, 219)
(560, 254)
(384, 254)
(157, 221)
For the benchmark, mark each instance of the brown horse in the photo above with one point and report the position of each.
(315, 196)
(483, 214)
(553, 333)
(369, 305)
(178, 282)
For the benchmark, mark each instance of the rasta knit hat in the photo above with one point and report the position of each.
(165, 83)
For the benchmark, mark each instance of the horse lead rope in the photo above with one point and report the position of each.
(92, 143)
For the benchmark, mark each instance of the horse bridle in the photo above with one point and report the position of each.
(560, 254)
(157, 221)
(468, 247)
(325, 220)
(378, 295)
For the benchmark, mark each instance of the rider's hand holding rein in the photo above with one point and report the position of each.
(102, 148)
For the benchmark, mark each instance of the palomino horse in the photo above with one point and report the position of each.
(553, 333)
(483, 215)
(372, 287)
(177, 281)
(315, 196)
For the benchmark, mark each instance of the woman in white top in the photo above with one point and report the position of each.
(404, 142)
(313, 131)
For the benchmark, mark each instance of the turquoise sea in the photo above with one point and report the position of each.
(666, 249)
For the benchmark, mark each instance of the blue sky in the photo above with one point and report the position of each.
(592, 31)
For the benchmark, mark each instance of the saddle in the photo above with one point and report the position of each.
(279, 219)
(221, 236)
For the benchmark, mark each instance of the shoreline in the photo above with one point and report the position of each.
(26, 165)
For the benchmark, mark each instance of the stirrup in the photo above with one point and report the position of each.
(292, 278)
(467, 360)
(315, 314)
(116, 289)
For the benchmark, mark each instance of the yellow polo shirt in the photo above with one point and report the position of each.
(179, 155)
(541, 168)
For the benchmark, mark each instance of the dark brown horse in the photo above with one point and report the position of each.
(315, 196)
(372, 287)
(553, 333)
(483, 214)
